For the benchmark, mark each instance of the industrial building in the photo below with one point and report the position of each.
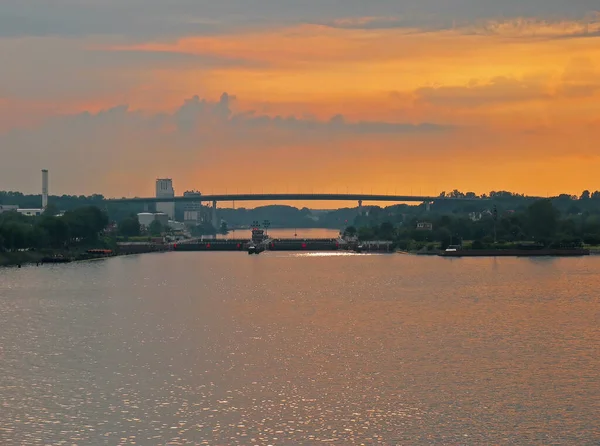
(146, 218)
(164, 189)
(8, 208)
(31, 212)
(192, 211)
(44, 188)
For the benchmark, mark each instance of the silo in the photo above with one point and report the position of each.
(44, 188)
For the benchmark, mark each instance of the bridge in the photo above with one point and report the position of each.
(360, 198)
(290, 197)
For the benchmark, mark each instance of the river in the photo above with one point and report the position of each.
(301, 348)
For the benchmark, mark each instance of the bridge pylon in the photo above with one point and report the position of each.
(213, 215)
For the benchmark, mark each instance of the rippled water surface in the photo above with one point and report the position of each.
(226, 348)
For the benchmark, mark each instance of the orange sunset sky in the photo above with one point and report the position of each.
(303, 96)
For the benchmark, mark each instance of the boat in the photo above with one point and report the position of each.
(258, 236)
(255, 249)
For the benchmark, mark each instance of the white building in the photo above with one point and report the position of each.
(146, 218)
(424, 226)
(192, 210)
(176, 225)
(8, 208)
(164, 189)
(31, 212)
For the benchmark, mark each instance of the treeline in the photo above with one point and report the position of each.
(288, 216)
(541, 222)
(80, 226)
(567, 204)
(115, 211)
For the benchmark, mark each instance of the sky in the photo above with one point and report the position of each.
(411, 97)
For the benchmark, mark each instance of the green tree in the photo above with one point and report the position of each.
(387, 231)
(542, 219)
(445, 237)
(155, 228)
(56, 229)
(350, 231)
(366, 233)
(51, 210)
(130, 226)
(223, 229)
(86, 223)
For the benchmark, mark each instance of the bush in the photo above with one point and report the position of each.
(477, 244)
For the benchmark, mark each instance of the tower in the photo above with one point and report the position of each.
(164, 189)
(44, 188)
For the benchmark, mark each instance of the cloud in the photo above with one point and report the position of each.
(158, 18)
(198, 113)
(369, 23)
(57, 69)
(498, 90)
(95, 150)
(581, 79)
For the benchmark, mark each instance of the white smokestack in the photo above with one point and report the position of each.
(44, 188)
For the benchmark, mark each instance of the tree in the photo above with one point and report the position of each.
(542, 218)
(387, 231)
(130, 226)
(224, 230)
(86, 223)
(56, 230)
(350, 231)
(51, 210)
(585, 195)
(366, 233)
(445, 237)
(155, 228)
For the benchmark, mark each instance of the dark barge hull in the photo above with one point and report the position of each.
(293, 245)
(217, 245)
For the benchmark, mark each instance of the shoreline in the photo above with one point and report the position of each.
(21, 258)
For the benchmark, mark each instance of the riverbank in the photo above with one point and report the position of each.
(19, 258)
(516, 253)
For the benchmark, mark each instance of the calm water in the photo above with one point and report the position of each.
(226, 348)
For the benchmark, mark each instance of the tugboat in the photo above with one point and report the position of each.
(257, 245)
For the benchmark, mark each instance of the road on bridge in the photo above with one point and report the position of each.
(289, 197)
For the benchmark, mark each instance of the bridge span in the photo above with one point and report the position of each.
(290, 197)
(360, 198)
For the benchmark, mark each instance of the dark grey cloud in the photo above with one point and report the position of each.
(159, 18)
